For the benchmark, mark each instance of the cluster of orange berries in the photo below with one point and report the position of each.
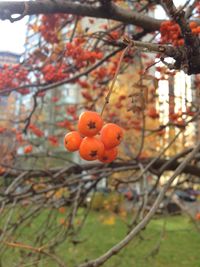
(50, 25)
(6, 77)
(94, 140)
(195, 28)
(54, 73)
(171, 32)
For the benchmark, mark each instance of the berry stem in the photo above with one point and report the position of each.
(107, 98)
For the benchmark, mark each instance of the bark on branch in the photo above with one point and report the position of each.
(191, 52)
(8, 8)
(161, 165)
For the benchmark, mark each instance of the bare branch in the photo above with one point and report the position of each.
(114, 250)
(58, 6)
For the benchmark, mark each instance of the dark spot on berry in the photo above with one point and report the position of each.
(119, 137)
(93, 153)
(91, 125)
(105, 158)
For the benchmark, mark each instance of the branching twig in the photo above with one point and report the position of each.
(114, 250)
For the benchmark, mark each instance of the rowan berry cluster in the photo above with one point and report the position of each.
(54, 73)
(194, 27)
(80, 55)
(7, 81)
(50, 25)
(171, 32)
(93, 140)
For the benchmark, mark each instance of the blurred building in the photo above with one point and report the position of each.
(8, 101)
(53, 103)
(9, 58)
(8, 107)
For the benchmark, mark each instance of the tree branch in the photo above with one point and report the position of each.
(115, 249)
(114, 12)
(163, 164)
(190, 58)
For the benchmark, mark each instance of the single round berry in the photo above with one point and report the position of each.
(108, 155)
(90, 123)
(91, 148)
(72, 141)
(111, 135)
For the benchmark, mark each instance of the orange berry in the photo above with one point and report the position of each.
(193, 24)
(91, 148)
(108, 155)
(2, 170)
(28, 149)
(90, 123)
(62, 221)
(111, 135)
(195, 31)
(62, 210)
(174, 36)
(181, 42)
(152, 113)
(198, 29)
(72, 141)
(197, 216)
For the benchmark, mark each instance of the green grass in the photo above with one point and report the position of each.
(180, 244)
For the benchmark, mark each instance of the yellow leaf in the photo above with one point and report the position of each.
(110, 220)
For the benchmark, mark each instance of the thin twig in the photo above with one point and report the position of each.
(107, 98)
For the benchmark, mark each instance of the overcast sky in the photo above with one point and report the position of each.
(12, 35)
